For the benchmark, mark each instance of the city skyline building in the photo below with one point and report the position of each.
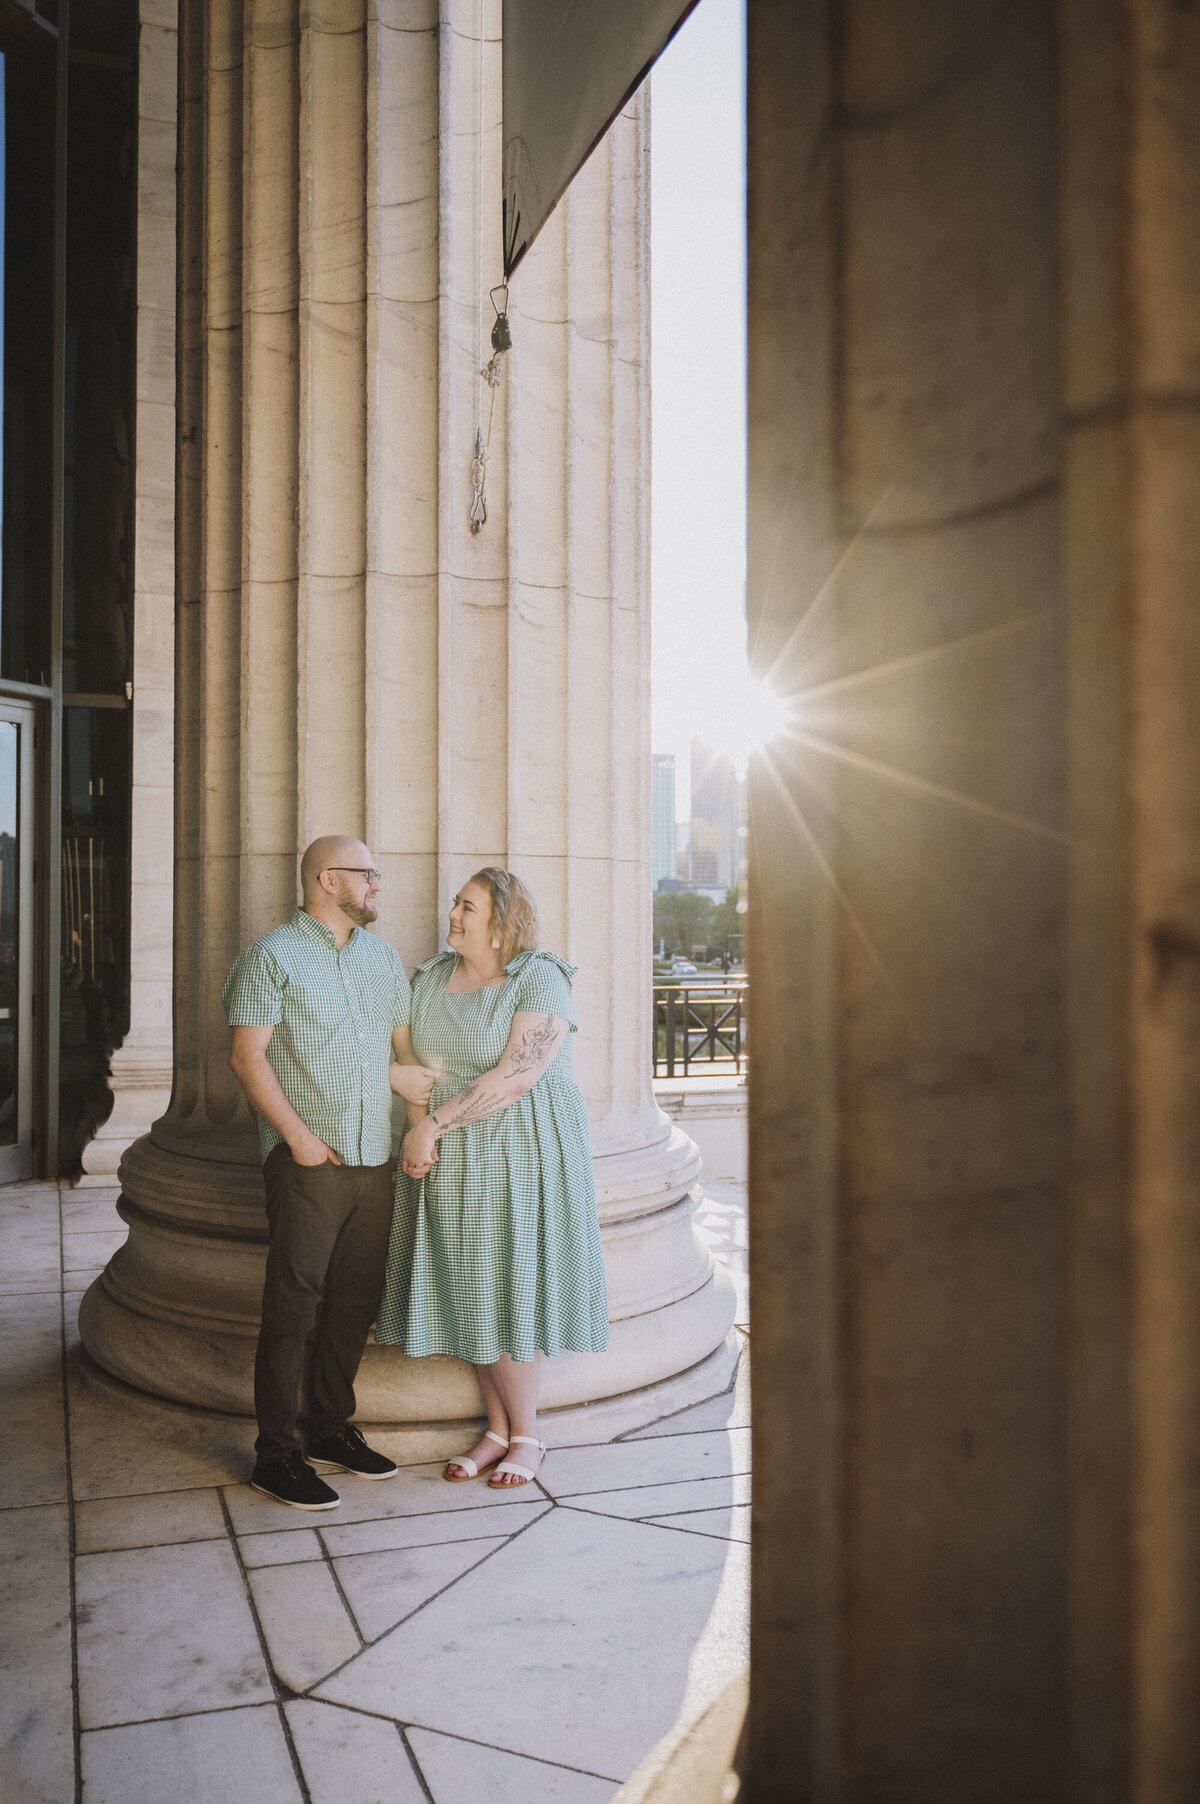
(716, 816)
(663, 850)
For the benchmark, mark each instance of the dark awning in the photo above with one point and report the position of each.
(569, 68)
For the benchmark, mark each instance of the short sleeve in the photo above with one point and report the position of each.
(403, 1008)
(252, 994)
(543, 989)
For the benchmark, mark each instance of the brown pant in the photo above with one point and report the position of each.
(325, 1264)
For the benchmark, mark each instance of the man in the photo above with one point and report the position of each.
(317, 1008)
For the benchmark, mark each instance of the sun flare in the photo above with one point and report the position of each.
(752, 715)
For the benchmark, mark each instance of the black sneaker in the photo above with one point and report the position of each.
(290, 1480)
(345, 1451)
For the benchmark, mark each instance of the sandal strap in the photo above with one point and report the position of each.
(509, 1465)
(465, 1465)
(488, 1435)
(527, 1440)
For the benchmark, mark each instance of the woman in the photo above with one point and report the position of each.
(495, 1249)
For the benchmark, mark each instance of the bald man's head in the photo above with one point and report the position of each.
(337, 871)
(326, 853)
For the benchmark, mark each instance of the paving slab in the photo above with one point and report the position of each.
(304, 1620)
(550, 1619)
(30, 1233)
(383, 1588)
(37, 1754)
(125, 1445)
(352, 1759)
(84, 1252)
(660, 1460)
(648, 1502)
(280, 1549)
(35, 1469)
(732, 1524)
(456, 1770)
(415, 1491)
(424, 1531)
(154, 1520)
(164, 1630)
(75, 1283)
(83, 1210)
(221, 1755)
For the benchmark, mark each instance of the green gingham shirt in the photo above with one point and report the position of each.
(333, 1014)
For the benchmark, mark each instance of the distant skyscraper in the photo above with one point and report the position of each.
(715, 818)
(705, 868)
(662, 815)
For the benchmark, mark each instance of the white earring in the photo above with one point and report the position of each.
(495, 944)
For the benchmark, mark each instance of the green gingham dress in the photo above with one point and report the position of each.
(497, 1249)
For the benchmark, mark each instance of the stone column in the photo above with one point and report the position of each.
(351, 658)
(1159, 274)
(907, 885)
(975, 1169)
(141, 1066)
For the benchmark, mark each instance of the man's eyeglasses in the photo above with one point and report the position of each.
(356, 870)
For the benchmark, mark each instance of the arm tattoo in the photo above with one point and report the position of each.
(533, 1046)
(471, 1104)
(474, 1103)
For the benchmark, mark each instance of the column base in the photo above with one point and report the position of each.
(175, 1313)
(412, 1443)
(141, 1089)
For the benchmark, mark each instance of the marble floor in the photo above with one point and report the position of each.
(166, 1633)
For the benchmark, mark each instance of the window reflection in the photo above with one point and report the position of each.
(28, 442)
(94, 1014)
(9, 925)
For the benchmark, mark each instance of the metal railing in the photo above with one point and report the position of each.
(700, 1027)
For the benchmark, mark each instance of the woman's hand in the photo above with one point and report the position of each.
(413, 1082)
(419, 1152)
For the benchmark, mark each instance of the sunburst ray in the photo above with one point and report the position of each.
(939, 791)
(814, 607)
(916, 660)
(843, 901)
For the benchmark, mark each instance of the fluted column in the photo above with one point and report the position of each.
(352, 659)
(975, 1168)
(140, 1078)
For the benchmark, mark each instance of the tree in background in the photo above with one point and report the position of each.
(683, 919)
(726, 921)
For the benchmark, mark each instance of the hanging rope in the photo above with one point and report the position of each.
(493, 370)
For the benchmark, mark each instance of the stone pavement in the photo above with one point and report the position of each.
(168, 1633)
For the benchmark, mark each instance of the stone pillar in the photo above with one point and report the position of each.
(975, 891)
(1155, 656)
(907, 883)
(351, 658)
(141, 1066)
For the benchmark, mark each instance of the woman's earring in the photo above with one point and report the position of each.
(495, 944)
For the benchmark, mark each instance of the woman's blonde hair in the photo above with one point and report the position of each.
(514, 917)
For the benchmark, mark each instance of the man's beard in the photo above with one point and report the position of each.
(361, 913)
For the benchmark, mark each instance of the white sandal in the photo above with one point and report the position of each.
(469, 1468)
(524, 1473)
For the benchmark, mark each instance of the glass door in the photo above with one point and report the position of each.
(16, 940)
